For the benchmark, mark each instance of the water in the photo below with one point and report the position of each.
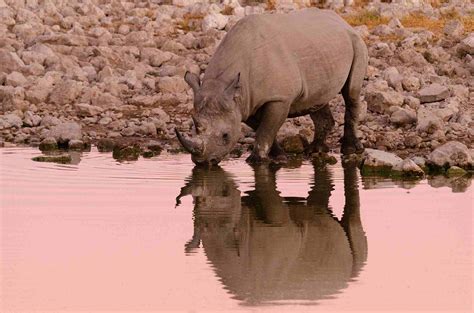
(158, 235)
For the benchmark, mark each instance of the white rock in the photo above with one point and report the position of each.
(85, 109)
(65, 132)
(428, 121)
(432, 93)
(214, 21)
(408, 167)
(380, 159)
(10, 120)
(452, 153)
(15, 79)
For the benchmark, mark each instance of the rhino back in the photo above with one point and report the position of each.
(302, 57)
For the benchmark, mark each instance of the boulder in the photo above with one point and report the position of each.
(65, 92)
(467, 44)
(10, 120)
(454, 28)
(10, 61)
(407, 168)
(381, 101)
(402, 117)
(65, 132)
(428, 121)
(452, 153)
(214, 21)
(433, 93)
(378, 162)
(48, 144)
(84, 109)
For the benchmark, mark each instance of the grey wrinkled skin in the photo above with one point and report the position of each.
(273, 66)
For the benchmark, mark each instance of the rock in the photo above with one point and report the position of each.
(412, 141)
(49, 121)
(454, 28)
(293, 144)
(126, 152)
(452, 153)
(48, 144)
(420, 161)
(78, 145)
(381, 101)
(428, 121)
(412, 102)
(30, 119)
(65, 92)
(84, 109)
(393, 77)
(61, 158)
(214, 21)
(15, 79)
(10, 120)
(407, 168)
(105, 145)
(10, 61)
(412, 57)
(433, 93)
(455, 171)
(402, 117)
(65, 132)
(378, 162)
(173, 85)
(411, 83)
(467, 44)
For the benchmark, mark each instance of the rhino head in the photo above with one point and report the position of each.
(216, 119)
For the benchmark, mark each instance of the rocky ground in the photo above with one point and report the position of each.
(110, 73)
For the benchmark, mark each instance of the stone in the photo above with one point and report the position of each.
(412, 141)
(48, 144)
(412, 102)
(452, 153)
(378, 162)
(407, 168)
(381, 101)
(10, 120)
(455, 171)
(84, 109)
(454, 28)
(433, 93)
(420, 161)
(126, 152)
(402, 117)
(428, 121)
(393, 78)
(214, 21)
(65, 92)
(30, 119)
(173, 84)
(105, 145)
(77, 145)
(49, 121)
(15, 79)
(293, 144)
(467, 44)
(10, 61)
(61, 158)
(65, 132)
(411, 83)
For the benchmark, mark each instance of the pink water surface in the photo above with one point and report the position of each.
(106, 236)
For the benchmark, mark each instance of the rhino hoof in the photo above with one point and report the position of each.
(256, 159)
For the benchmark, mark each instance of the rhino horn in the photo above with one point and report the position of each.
(192, 145)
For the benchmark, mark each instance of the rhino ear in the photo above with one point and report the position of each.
(233, 89)
(193, 81)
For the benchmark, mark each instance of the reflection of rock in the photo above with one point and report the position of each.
(266, 248)
(54, 158)
(457, 184)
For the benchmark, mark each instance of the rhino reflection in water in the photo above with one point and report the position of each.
(266, 248)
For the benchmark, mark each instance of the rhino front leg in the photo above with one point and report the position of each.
(273, 116)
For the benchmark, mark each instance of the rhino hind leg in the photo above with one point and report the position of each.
(351, 93)
(323, 124)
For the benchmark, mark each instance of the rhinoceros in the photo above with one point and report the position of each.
(270, 67)
(266, 248)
